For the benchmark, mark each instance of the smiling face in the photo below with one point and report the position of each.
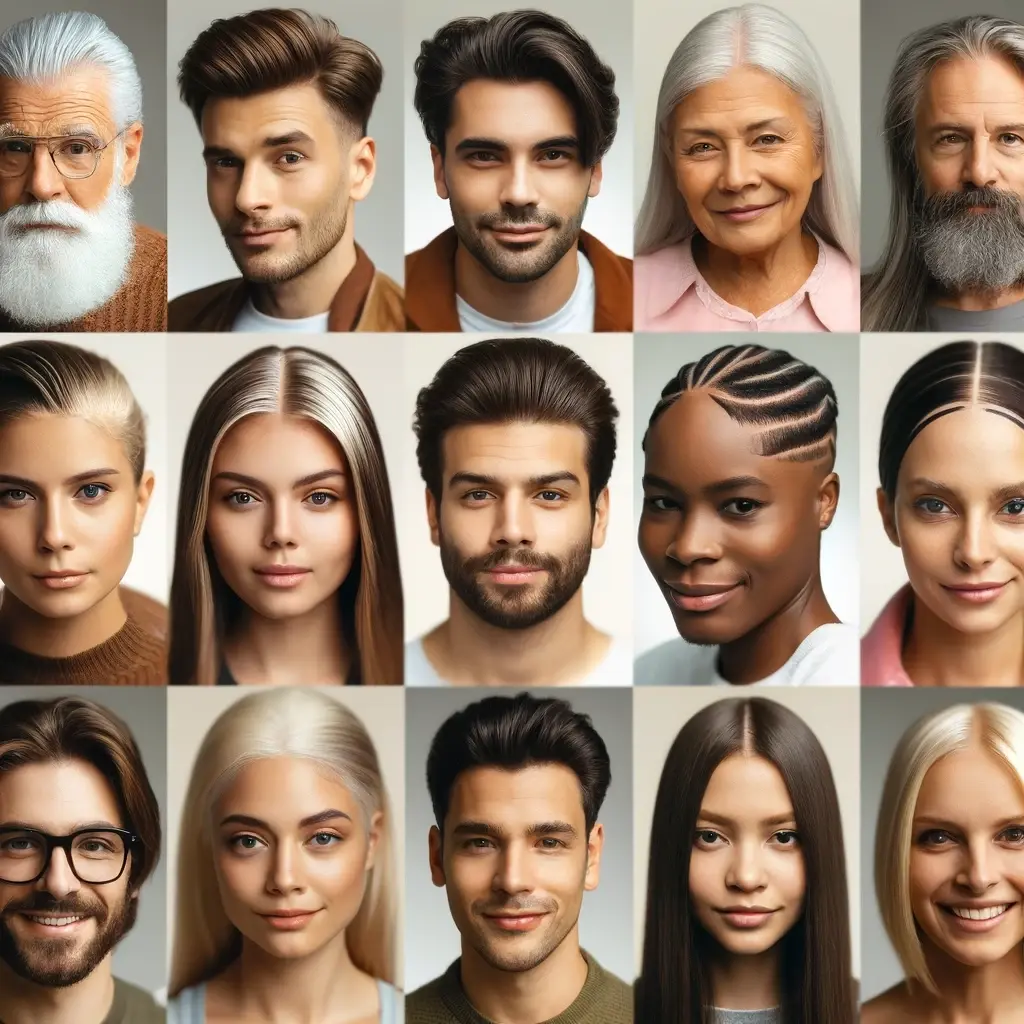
(516, 861)
(731, 537)
(958, 519)
(282, 522)
(69, 513)
(515, 524)
(747, 875)
(967, 859)
(745, 160)
(292, 854)
(58, 930)
(512, 175)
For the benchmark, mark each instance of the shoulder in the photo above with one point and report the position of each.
(150, 242)
(828, 656)
(894, 1006)
(881, 660)
(146, 612)
(662, 277)
(186, 307)
(139, 1005)
(384, 308)
(615, 668)
(603, 259)
(439, 245)
(418, 669)
(674, 663)
(427, 998)
(838, 299)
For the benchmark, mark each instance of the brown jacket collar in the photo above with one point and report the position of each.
(430, 286)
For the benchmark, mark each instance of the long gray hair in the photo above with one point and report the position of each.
(760, 37)
(895, 292)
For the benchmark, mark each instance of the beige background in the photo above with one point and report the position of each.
(192, 710)
(607, 589)
(659, 713)
(883, 360)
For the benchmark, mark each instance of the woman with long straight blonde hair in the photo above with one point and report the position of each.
(285, 881)
(286, 562)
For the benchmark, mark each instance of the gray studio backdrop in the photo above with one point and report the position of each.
(885, 715)
(656, 360)
(431, 939)
(141, 956)
(884, 26)
(141, 25)
(197, 255)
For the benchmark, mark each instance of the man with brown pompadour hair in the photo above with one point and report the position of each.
(282, 100)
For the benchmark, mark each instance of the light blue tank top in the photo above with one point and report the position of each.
(189, 1006)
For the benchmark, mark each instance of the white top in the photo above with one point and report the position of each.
(577, 315)
(829, 656)
(251, 320)
(615, 669)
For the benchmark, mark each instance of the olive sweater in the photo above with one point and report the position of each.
(604, 999)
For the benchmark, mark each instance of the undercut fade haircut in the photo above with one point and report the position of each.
(514, 733)
(793, 403)
(517, 46)
(277, 48)
(75, 729)
(989, 374)
(517, 380)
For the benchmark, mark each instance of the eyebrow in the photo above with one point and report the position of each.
(332, 814)
(19, 481)
(270, 142)
(755, 126)
(81, 827)
(719, 819)
(967, 130)
(733, 483)
(543, 828)
(545, 480)
(497, 145)
(927, 484)
(10, 131)
(251, 481)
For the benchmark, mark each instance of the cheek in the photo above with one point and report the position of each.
(792, 879)
(695, 181)
(773, 545)
(89, 193)
(705, 879)
(111, 532)
(231, 536)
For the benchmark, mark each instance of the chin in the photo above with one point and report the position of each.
(707, 634)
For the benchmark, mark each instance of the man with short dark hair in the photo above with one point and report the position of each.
(519, 112)
(515, 442)
(517, 785)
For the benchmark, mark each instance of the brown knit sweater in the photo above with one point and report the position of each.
(139, 305)
(604, 999)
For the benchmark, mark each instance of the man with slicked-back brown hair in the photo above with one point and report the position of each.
(282, 100)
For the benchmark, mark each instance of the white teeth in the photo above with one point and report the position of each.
(55, 922)
(980, 914)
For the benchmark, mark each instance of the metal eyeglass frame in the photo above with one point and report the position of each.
(51, 143)
(65, 843)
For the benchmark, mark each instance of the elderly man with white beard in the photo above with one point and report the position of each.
(72, 257)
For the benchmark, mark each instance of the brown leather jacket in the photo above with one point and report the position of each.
(430, 286)
(366, 301)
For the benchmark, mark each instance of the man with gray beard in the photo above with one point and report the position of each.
(954, 136)
(71, 256)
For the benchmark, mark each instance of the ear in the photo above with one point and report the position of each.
(596, 177)
(374, 833)
(595, 844)
(440, 184)
(142, 499)
(132, 143)
(436, 857)
(828, 500)
(600, 530)
(433, 518)
(888, 514)
(362, 168)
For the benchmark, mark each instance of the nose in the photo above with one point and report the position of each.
(979, 167)
(746, 869)
(696, 539)
(739, 171)
(45, 182)
(54, 532)
(280, 525)
(513, 522)
(255, 189)
(979, 871)
(518, 184)
(975, 546)
(284, 874)
(59, 880)
(511, 875)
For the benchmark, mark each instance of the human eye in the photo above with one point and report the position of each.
(555, 156)
(482, 156)
(659, 503)
(950, 139)
(240, 499)
(19, 146)
(478, 843)
(551, 496)
(19, 844)
(708, 838)
(1014, 507)
(77, 147)
(476, 495)
(931, 506)
(1010, 139)
(321, 499)
(787, 838)
(324, 840)
(245, 844)
(92, 492)
(550, 843)
(291, 158)
(700, 149)
(1014, 835)
(14, 496)
(935, 839)
(768, 139)
(741, 508)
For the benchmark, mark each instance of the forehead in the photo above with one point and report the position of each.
(971, 786)
(57, 796)
(277, 444)
(78, 99)
(515, 113)
(246, 122)
(517, 799)
(47, 447)
(515, 451)
(987, 90)
(746, 788)
(743, 96)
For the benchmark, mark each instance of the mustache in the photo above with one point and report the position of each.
(521, 559)
(236, 227)
(43, 902)
(516, 216)
(516, 906)
(55, 212)
(947, 205)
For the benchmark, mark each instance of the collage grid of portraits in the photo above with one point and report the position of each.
(490, 630)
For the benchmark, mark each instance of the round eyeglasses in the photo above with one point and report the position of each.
(97, 855)
(74, 156)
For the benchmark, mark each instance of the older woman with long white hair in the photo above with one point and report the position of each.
(749, 221)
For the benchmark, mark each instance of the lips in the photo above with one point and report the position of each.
(977, 593)
(747, 917)
(979, 913)
(741, 213)
(61, 579)
(516, 922)
(700, 597)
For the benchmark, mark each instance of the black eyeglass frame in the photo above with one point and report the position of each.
(52, 143)
(65, 843)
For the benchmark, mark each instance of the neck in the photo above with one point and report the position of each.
(312, 292)
(302, 650)
(758, 281)
(87, 1002)
(990, 994)
(25, 629)
(561, 649)
(523, 303)
(747, 982)
(768, 647)
(936, 655)
(976, 301)
(525, 997)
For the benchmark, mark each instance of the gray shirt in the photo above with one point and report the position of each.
(952, 321)
(772, 1016)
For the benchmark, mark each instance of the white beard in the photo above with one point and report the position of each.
(49, 277)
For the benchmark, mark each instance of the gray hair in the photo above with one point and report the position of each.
(895, 292)
(44, 48)
(760, 37)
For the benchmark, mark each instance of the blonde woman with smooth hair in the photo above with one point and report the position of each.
(949, 868)
(74, 491)
(286, 563)
(749, 220)
(285, 883)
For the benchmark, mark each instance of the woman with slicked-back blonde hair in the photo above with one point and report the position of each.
(286, 562)
(949, 867)
(285, 877)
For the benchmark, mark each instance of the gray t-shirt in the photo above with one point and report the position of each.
(772, 1016)
(952, 321)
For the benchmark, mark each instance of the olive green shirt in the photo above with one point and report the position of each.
(133, 1005)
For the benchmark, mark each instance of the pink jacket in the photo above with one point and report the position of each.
(881, 648)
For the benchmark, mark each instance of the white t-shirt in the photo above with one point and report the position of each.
(615, 669)
(576, 316)
(829, 656)
(250, 319)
